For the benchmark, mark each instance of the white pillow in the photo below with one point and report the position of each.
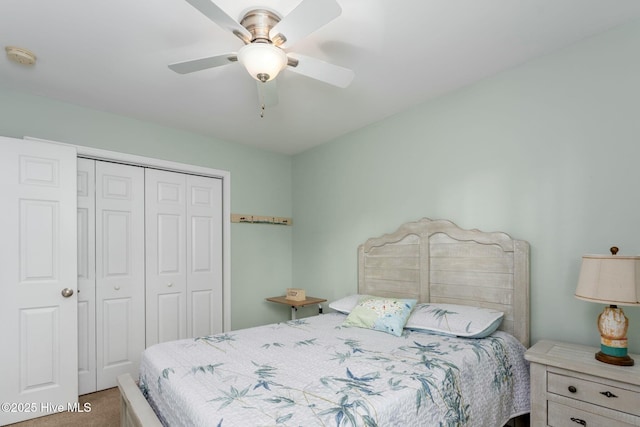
(452, 319)
(346, 304)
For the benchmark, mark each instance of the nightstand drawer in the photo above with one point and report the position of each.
(615, 398)
(566, 416)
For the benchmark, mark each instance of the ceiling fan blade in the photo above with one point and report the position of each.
(268, 93)
(203, 63)
(320, 70)
(220, 17)
(306, 18)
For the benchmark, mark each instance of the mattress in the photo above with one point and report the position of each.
(316, 372)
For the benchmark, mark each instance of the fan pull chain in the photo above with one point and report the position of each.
(261, 101)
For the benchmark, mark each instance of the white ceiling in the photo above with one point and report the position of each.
(113, 55)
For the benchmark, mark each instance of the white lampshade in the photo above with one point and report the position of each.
(263, 61)
(610, 279)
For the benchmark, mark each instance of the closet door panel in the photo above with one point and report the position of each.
(117, 318)
(166, 317)
(86, 277)
(120, 281)
(202, 313)
(171, 312)
(169, 248)
(204, 252)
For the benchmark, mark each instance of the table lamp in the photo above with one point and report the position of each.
(613, 280)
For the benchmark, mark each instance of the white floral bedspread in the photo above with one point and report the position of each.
(315, 372)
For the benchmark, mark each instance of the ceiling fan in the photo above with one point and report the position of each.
(266, 36)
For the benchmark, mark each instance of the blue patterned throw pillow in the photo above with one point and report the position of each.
(381, 314)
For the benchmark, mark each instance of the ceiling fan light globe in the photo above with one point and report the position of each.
(263, 61)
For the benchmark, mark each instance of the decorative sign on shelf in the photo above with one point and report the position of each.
(295, 294)
(261, 219)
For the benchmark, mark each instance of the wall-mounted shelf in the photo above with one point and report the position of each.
(261, 219)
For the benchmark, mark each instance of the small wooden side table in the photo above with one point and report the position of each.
(295, 304)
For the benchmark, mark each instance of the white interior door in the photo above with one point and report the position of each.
(204, 255)
(166, 277)
(38, 360)
(120, 331)
(86, 277)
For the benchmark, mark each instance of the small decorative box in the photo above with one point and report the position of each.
(295, 294)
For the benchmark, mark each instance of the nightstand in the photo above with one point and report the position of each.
(295, 304)
(569, 387)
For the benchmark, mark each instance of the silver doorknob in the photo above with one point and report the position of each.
(66, 292)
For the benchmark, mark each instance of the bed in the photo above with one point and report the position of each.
(317, 371)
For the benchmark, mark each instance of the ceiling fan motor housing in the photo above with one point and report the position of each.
(259, 22)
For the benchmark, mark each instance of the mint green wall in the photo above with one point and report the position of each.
(260, 184)
(547, 152)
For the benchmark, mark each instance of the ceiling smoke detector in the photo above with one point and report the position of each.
(20, 55)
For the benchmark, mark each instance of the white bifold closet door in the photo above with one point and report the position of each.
(120, 271)
(86, 276)
(166, 257)
(111, 271)
(149, 264)
(204, 256)
(183, 256)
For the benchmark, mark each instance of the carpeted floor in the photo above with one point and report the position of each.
(105, 412)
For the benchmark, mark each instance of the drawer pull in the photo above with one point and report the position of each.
(607, 394)
(572, 389)
(579, 421)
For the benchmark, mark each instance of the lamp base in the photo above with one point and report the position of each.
(614, 360)
(613, 324)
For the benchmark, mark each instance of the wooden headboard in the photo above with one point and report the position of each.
(436, 261)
